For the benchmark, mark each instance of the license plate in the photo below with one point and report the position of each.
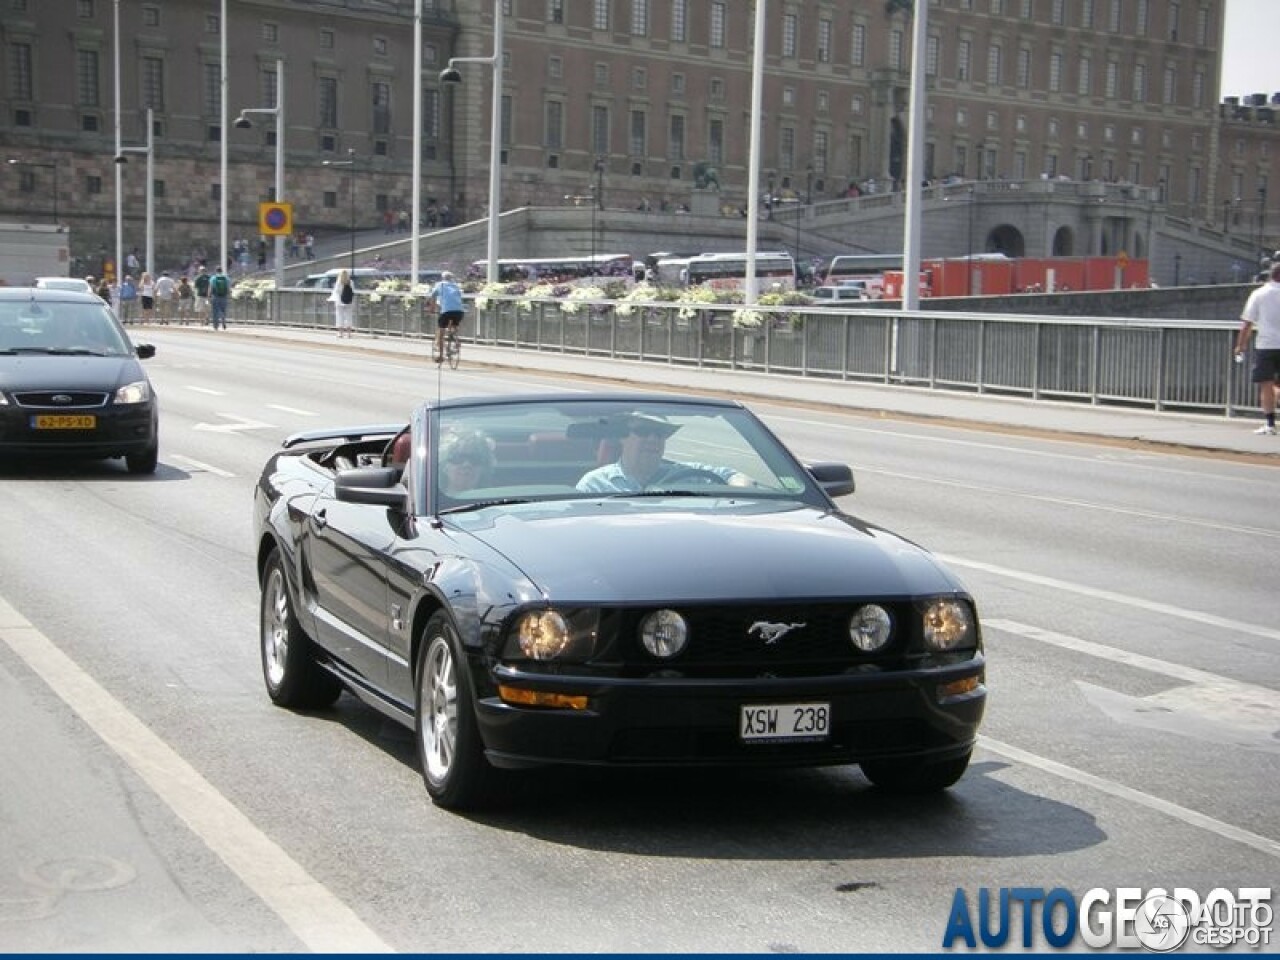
(64, 421)
(774, 722)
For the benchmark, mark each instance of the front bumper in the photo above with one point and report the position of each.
(117, 431)
(681, 722)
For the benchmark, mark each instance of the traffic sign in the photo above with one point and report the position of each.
(275, 219)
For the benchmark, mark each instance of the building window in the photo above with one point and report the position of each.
(995, 63)
(1084, 80)
(87, 78)
(789, 35)
(153, 83)
(553, 125)
(824, 101)
(1057, 12)
(150, 16)
(270, 32)
(327, 114)
(1113, 21)
(679, 20)
(555, 68)
(788, 96)
(718, 17)
(1197, 88)
(212, 73)
(84, 9)
(639, 78)
(787, 148)
(381, 108)
(431, 114)
(1202, 26)
(820, 151)
(715, 141)
(1109, 133)
(931, 56)
(857, 105)
(326, 39)
(1170, 91)
(600, 130)
(20, 70)
(858, 45)
(1139, 83)
(675, 141)
(717, 89)
(1140, 26)
(677, 84)
(962, 117)
(824, 41)
(639, 140)
(1054, 126)
(602, 74)
(993, 120)
(639, 18)
(1055, 72)
(212, 23)
(1024, 68)
(93, 185)
(380, 46)
(1135, 136)
(1112, 81)
(895, 49)
(555, 11)
(962, 60)
(600, 15)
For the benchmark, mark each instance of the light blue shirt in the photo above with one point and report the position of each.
(449, 295)
(612, 478)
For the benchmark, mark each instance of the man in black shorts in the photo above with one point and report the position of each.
(447, 296)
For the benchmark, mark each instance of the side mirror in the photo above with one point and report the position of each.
(145, 351)
(836, 479)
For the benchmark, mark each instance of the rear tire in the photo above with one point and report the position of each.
(454, 767)
(292, 676)
(915, 776)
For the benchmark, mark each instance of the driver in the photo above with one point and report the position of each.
(642, 465)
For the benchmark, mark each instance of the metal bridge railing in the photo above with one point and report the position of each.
(1158, 364)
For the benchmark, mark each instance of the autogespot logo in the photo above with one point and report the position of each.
(1127, 918)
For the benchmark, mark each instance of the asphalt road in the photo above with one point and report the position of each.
(152, 799)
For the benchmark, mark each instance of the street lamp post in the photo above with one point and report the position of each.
(150, 151)
(243, 123)
(46, 166)
(451, 75)
(351, 200)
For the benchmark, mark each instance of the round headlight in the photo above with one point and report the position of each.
(664, 633)
(542, 635)
(869, 627)
(948, 624)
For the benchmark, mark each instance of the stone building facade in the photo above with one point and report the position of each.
(628, 102)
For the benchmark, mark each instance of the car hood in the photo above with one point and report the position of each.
(46, 372)
(642, 552)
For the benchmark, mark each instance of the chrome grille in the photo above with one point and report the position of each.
(45, 399)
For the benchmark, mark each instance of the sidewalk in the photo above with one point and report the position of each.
(1177, 432)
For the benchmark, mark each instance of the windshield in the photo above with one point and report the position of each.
(32, 326)
(533, 451)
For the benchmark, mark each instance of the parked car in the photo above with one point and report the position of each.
(608, 579)
(363, 278)
(70, 381)
(78, 284)
(839, 293)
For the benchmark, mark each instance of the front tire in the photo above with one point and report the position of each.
(292, 676)
(145, 461)
(454, 767)
(916, 776)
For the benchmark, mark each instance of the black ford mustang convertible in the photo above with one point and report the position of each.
(618, 579)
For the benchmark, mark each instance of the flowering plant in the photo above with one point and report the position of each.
(747, 318)
(256, 289)
(573, 302)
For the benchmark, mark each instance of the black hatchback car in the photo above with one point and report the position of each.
(70, 381)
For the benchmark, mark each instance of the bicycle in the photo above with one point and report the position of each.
(452, 347)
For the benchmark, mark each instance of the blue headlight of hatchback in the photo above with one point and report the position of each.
(949, 625)
(137, 392)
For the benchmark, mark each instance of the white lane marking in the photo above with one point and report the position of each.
(239, 423)
(198, 465)
(294, 410)
(1206, 705)
(212, 393)
(1191, 817)
(1071, 502)
(1152, 606)
(318, 918)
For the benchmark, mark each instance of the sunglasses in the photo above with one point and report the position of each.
(648, 431)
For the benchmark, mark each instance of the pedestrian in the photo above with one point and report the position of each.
(219, 292)
(147, 296)
(262, 253)
(128, 299)
(186, 300)
(166, 297)
(1262, 310)
(343, 298)
(201, 288)
(309, 243)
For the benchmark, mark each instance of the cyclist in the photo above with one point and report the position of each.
(447, 297)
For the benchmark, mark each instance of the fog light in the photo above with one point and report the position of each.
(664, 633)
(869, 627)
(541, 698)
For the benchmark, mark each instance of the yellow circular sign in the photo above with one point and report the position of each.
(275, 219)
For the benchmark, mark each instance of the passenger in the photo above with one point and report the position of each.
(642, 463)
(465, 462)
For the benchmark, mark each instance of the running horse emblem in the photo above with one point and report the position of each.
(771, 633)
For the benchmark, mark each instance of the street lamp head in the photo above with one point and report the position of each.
(242, 122)
(121, 158)
(450, 75)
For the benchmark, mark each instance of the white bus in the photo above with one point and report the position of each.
(775, 272)
(609, 266)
